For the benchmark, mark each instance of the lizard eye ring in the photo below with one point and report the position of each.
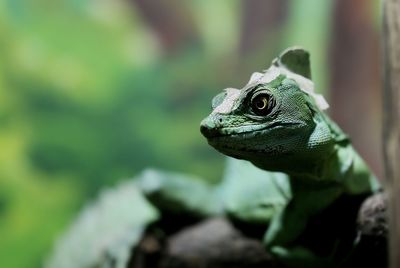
(262, 104)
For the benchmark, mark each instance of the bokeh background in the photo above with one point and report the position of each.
(94, 91)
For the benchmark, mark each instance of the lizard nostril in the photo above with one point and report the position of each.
(208, 131)
(203, 130)
(211, 126)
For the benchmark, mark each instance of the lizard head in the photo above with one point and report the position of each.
(274, 120)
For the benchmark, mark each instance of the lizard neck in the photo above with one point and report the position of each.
(342, 166)
(346, 168)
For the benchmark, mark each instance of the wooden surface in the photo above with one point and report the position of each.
(391, 37)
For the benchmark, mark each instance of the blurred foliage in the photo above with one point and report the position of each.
(87, 99)
(89, 96)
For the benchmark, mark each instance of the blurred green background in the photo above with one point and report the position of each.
(94, 91)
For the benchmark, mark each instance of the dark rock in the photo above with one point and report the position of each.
(215, 243)
(372, 220)
(372, 250)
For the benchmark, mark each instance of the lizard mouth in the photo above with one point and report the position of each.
(235, 142)
(211, 133)
(243, 131)
(247, 153)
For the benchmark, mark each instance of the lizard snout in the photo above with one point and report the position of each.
(210, 126)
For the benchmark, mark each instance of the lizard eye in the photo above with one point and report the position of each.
(262, 104)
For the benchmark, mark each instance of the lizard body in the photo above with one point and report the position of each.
(302, 180)
(277, 123)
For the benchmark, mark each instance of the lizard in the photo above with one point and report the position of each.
(290, 170)
(278, 123)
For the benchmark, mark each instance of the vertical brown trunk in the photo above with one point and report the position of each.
(391, 123)
(355, 78)
(260, 19)
(260, 34)
(171, 20)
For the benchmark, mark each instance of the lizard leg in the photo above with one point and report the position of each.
(179, 193)
(289, 223)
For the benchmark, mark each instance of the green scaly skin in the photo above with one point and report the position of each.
(277, 124)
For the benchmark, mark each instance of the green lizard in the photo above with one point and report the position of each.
(277, 123)
(306, 184)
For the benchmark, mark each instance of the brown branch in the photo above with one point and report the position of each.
(391, 122)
